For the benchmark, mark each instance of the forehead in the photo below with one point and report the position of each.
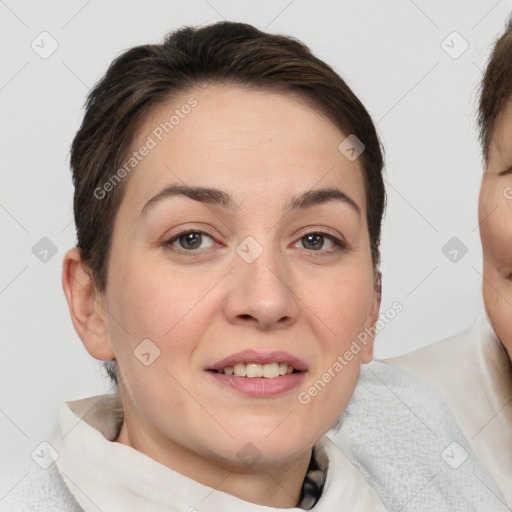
(245, 141)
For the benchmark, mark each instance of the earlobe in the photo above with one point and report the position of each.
(87, 311)
(373, 317)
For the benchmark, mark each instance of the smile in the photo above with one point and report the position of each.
(252, 370)
(259, 374)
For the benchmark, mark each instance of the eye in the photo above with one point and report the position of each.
(190, 241)
(318, 241)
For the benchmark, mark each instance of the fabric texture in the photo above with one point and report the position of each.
(398, 431)
(45, 490)
(396, 448)
(41, 490)
(108, 476)
(473, 372)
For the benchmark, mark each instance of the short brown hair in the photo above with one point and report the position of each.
(496, 88)
(222, 53)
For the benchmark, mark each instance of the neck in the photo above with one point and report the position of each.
(273, 485)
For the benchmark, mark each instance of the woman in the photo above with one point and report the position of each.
(473, 369)
(228, 204)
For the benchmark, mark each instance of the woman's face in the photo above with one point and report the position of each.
(495, 215)
(269, 262)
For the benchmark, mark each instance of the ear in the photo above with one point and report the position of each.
(373, 316)
(88, 313)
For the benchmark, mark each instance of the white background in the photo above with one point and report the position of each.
(422, 100)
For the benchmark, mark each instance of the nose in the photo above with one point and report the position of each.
(261, 293)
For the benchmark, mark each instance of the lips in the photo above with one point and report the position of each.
(253, 357)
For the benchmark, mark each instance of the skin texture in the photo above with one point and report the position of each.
(262, 148)
(495, 215)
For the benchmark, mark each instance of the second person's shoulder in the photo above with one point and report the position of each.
(399, 433)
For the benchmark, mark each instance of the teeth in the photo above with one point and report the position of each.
(254, 370)
(270, 370)
(240, 370)
(251, 370)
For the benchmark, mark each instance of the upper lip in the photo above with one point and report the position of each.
(253, 356)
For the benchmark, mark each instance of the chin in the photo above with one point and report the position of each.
(270, 446)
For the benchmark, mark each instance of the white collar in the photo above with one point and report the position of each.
(489, 410)
(107, 475)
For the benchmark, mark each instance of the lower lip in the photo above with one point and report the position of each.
(260, 386)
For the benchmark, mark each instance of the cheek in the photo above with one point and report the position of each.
(153, 299)
(496, 229)
(148, 302)
(495, 212)
(160, 319)
(343, 300)
(338, 313)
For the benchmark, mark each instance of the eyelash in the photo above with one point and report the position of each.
(339, 246)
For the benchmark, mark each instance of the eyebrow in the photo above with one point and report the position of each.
(321, 196)
(218, 197)
(201, 194)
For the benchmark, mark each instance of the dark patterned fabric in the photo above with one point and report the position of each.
(313, 485)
